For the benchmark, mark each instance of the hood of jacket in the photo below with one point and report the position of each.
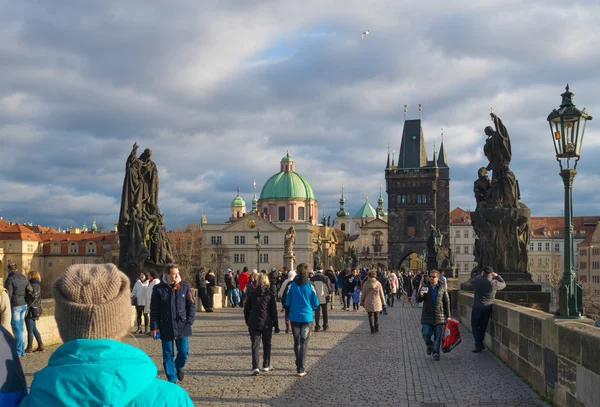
(164, 280)
(300, 280)
(371, 283)
(291, 275)
(102, 372)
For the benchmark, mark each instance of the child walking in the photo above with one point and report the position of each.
(356, 298)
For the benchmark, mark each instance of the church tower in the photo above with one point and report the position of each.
(418, 195)
(342, 217)
(238, 207)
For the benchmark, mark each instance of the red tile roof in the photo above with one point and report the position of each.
(72, 237)
(18, 232)
(460, 217)
(3, 224)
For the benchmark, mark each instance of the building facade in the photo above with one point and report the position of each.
(418, 196)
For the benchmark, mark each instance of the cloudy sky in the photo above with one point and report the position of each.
(220, 89)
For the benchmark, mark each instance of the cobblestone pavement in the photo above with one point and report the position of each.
(347, 366)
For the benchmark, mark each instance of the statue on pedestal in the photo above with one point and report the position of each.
(143, 239)
(288, 248)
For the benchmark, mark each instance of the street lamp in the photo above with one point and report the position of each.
(567, 125)
(257, 242)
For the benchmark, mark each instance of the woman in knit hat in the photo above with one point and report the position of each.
(92, 367)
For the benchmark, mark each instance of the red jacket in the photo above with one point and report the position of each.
(243, 280)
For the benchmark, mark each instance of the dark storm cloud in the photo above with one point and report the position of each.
(219, 92)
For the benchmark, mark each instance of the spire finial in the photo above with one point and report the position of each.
(568, 88)
(380, 189)
(342, 190)
(442, 134)
(238, 191)
(420, 111)
(287, 152)
(405, 110)
(367, 197)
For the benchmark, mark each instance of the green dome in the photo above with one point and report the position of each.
(366, 211)
(287, 159)
(287, 185)
(238, 201)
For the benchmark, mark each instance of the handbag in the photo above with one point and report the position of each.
(134, 301)
(35, 312)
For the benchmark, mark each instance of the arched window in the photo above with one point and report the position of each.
(73, 248)
(91, 248)
(301, 213)
(343, 227)
(281, 216)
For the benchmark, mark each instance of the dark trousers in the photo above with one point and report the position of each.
(479, 323)
(374, 321)
(211, 299)
(255, 338)
(355, 306)
(346, 299)
(391, 299)
(31, 332)
(321, 307)
(139, 309)
(301, 332)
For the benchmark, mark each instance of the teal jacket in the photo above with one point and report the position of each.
(302, 300)
(102, 372)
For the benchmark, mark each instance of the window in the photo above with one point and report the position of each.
(30, 247)
(583, 279)
(466, 267)
(239, 258)
(49, 263)
(264, 257)
(596, 265)
(556, 233)
(539, 249)
(239, 239)
(265, 239)
(72, 261)
(557, 247)
(466, 249)
(424, 199)
(343, 227)
(403, 199)
(419, 199)
(547, 246)
(595, 252)
(457, 233)
(583, 265)
(216, 240)
(55, 249)
(530, 247)
(301, 213)
(281, 211)
(583, 252)
(91, 248)
(73, 249)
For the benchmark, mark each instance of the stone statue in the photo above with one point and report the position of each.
(353, 257)
(319, 254)
(504, 190)
(143, 239)
(481, 186)
(290, 238)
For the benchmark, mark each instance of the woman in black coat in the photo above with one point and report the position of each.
(260, 312)
(34, 311)
(211, 283)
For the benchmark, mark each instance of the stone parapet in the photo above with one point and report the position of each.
(559, 358)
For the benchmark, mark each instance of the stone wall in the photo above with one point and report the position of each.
(560, 359)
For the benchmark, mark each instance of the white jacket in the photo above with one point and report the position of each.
(291, 275)
(148, 294)
(138, 292)
(392, 277)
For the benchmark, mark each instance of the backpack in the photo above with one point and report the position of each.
(30, 294)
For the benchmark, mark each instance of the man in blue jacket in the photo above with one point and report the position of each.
(172, 313)
(302, 301)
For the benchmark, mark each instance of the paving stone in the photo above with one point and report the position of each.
(346, 365)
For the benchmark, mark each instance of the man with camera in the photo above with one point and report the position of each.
(436, 311)
(485, 286)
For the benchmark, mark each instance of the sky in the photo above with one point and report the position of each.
(219, 90)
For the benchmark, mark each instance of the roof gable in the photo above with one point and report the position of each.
(245, 224)
(365, 211)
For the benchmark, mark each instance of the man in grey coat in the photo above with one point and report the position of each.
(485, 286)
(436, 311)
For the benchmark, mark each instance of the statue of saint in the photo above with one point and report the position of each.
(481, 186)
(504, 189)
(290, 237)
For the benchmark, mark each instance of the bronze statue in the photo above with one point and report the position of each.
(143, 237)
(319, 254)
(290, 238)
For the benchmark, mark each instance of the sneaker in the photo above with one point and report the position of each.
(180, 375)
(429, 349)
(436, 357)
(255, 372)
(301, 373)
(268, 368)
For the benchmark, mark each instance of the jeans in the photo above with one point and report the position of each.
(436, 331)
(242, 297)
(479, 323)
(255, 338)
(321, 307)
(18, 316)
(374, 321)
(231, 294)
(171, 364)
(301, 332)
(31, 332)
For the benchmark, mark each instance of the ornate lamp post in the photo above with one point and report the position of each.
(257, 242)
(567, 125)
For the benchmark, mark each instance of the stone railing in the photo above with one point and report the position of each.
(560, 359)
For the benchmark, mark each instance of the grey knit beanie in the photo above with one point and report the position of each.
(92, 301)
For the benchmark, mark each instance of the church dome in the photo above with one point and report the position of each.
(287, 184)
(238, 201)
(366, 211)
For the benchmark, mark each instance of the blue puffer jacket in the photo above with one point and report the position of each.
(302, 300)
(172, 310)
(102, 372)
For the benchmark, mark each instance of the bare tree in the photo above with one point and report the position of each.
(186, 244)
(591, 302)
(219, 259)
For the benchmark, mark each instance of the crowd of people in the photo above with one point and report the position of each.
(93, 315)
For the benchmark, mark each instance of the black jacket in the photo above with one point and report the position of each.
(385, 284)
(229, 282)
(212, 282)
(172, 310)
(16, 285)
(332, 279)
(437, 313)
(202, 293)
(260, 310)
(35, 284)
(351, 282)
(273, 280)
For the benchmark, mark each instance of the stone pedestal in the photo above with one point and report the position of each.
(288, 261)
